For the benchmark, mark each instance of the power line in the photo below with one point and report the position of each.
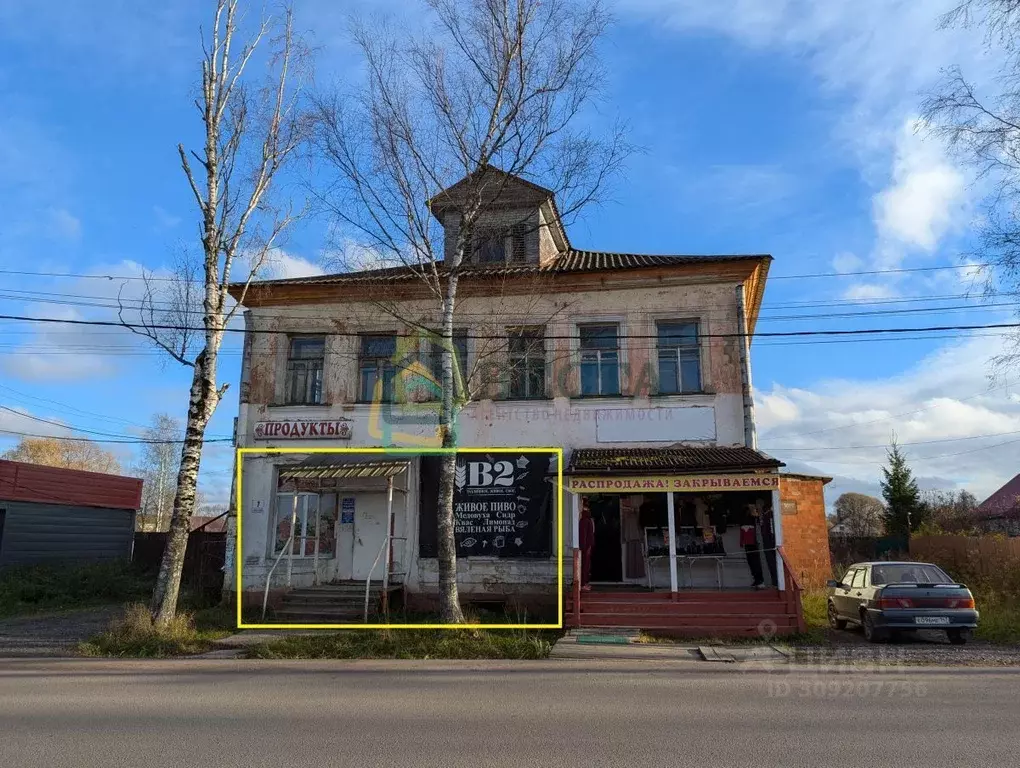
(350, 334)
(916, 442)
(196, 312)
(136, 442)
(83, 276)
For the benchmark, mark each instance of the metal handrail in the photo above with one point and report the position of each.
(269, 576)
(368, 582)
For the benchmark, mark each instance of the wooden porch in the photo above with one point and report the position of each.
(688, 613)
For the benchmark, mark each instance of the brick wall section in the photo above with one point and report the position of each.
(805, 533)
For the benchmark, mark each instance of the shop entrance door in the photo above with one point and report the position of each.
(607, 553)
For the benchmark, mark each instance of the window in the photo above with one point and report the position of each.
(304, 370)
(600, 360)
(848, 578)
(377, 368)
(858, 581)
(308, 517)
(908, 573)
(460, 340)
(527, 363)
(492, 246)
(679, 358)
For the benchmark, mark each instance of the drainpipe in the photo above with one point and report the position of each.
(750, 435)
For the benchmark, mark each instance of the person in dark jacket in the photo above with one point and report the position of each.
(768, 538)
(587, 542)
(749, 543)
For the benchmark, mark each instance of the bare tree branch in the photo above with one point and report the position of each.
(251, 135)
(493, 92)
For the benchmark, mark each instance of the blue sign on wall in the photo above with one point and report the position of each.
(347, 510)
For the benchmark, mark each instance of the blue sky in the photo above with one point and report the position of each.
(785, 127)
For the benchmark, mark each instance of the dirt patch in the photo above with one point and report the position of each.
(54, 634)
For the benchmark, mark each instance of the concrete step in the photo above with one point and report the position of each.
(702, 631)
(660, 620)
(689, 609)
(318, 616)
(319, 597)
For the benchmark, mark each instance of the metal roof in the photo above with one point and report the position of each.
(570, 262)
(325, 466)
(673, 459)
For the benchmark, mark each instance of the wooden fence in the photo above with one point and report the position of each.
(986, 556)
(203, 560)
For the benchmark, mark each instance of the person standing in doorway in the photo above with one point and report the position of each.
(749, 543)
(587, 543)
(768, 538)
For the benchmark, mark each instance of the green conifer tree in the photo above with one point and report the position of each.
(903, 509)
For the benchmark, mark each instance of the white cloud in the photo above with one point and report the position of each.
(281, 264)
(944, 397)
(165, 219)
(847, 262)
(60, 352)
(19, 420)
(881, 55)
(64, 225)
(869, 291)
(745, 187)
(925, 195)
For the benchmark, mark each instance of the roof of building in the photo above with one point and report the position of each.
(39, 484)
(802, 476)
(687, 459)
(573, 261)
(1003, 501)
(323, 465)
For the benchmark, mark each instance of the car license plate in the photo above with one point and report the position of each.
(931, 619)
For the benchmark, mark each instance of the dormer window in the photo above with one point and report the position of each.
(499, 246)
(491, 248)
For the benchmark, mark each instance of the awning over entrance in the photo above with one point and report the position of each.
(630, 470)
(669, 460)
(324, 466)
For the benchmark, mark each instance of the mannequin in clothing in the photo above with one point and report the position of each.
(749, 543)
(587, 543)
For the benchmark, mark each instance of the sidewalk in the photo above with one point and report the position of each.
(609, 645)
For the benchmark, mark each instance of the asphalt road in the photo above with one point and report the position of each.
(556, 713)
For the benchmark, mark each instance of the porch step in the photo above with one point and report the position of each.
(342, 603)
(665, 620)
(684, 608)
(319, 616)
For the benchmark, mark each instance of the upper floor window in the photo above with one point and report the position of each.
(600, 359)
(304, 370)
(679, 358)
(527, 363)
(377, 366)
(460, 371)
(499, 246)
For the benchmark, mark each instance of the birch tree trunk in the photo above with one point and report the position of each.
(449, 595)
(203, 401)
(250, 134)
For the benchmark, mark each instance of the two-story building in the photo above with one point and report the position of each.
(636, 365)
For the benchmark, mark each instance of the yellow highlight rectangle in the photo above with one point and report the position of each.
(239, 559)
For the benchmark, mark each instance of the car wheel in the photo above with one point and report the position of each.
(834, 621)
(871, 633)
(958, 636)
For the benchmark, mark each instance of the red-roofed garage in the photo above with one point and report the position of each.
(50, 515)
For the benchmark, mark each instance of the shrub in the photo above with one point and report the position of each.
(134, 635)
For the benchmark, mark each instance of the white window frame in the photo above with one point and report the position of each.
(284, 506)
(620, 358)
(676, 350)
